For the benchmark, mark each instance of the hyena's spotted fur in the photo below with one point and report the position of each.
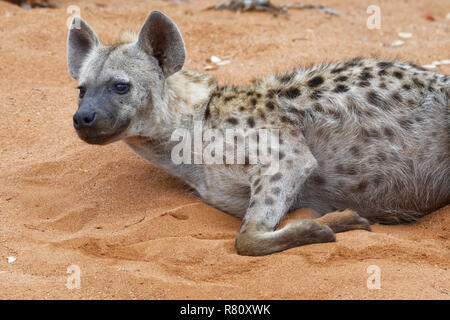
(368, 135)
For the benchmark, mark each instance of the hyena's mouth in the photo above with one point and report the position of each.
(96, 136)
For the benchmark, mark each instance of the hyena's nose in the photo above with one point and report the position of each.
(84, 118)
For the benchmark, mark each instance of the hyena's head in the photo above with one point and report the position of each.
(122, 86)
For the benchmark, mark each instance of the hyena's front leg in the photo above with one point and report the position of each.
(271, 198)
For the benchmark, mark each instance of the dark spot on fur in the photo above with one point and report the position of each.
(388, 132)
(316, 95)
(364, 134)
(368, 113)
(353, 62)
(318, 107)
(374, 133)
(341, 79)
(381, 156)
(377, 179)
(341, 88)
(361, 186)
(207, 113)
(345, 170)
(281, 155)
(318, 179)
(398, 74)
(291, 93)
(286, 77)
(295, 132)
(338, 70)
(253, 101)
(299, 113)
(418, 67)
(382, 85)
(384, 64)
(252, 203)
(270, 105)
(276, 191)
(269, 201)
(276, 177)
(405, 123)
(287, 120)
(407, 87)
(262, 115)
(251, 122)
(397, 97)
(364, 84)
(258, 189)
(376, 100)
(355, 151)
(314, 82)
(418, 83)
(233, 121)
(365, 76)
(339, 168)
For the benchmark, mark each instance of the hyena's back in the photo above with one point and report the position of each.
(380, 132)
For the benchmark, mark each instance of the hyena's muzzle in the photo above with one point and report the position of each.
(97, 120)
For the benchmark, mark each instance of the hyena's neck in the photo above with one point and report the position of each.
(188, 93)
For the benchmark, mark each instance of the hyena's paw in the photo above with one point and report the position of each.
(310, 231)
(345, 221)
(354, 221)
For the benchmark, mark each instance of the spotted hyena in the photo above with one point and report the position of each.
(368, 135)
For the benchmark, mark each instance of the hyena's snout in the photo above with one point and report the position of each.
(84, 118)
(98, 125)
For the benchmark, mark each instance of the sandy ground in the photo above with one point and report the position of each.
(134, 231)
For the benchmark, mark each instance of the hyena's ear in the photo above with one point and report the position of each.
(80, 42)
(160, 37)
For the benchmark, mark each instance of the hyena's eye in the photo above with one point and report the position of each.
(82, 91)
(121, 88)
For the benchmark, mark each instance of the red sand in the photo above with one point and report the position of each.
(136, 232)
